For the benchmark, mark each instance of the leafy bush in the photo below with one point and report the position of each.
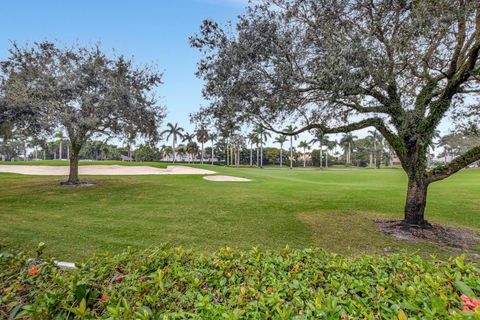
(172, 283)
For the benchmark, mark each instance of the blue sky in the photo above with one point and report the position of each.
(153, 32)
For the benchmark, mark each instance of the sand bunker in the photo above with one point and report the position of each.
(101, 170)
(226, 178)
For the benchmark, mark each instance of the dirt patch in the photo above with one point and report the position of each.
(83, 183)
(226, 178)
(447, 237)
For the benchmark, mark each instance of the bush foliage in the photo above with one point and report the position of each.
(173, 283)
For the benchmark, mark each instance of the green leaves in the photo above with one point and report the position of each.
(464, 289)
(172, 283)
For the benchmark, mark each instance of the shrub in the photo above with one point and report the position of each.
(173, 283)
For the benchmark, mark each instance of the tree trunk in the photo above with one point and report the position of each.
(73, 176)
(304, 155)
(212, 153)
(261, 154)
(251, 155)
(202, 154)
(291, 152)
(227, 153)
(321, 156)
(281, 155)
(173, 149)
(415, 202)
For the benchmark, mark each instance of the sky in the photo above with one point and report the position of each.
(151, 31)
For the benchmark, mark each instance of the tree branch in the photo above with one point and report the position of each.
(455, 165)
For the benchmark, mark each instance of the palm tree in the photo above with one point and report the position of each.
(347, 142)
(330, 146)
(290, 130)
(175, 132)
(281, 139)
(253, 139)
(202, 137)
(373, 135)
(263, 137)
(304, 144)
(188, 138)
(61, 137)
(319, 137)
(213, 138)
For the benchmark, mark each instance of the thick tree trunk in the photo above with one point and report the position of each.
(416, 202)
(73, 175)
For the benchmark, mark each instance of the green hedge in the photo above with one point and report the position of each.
(172, 283)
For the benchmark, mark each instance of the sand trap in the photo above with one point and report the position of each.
(101, 170)
(226, 178)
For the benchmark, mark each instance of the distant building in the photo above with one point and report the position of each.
(394, 160)
(125, 158)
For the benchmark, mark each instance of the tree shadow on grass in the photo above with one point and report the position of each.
(351, 233)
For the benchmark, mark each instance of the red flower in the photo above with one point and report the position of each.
(270, 289)
(344, 316)
(33, 271)
(141, 278)
(104, 298)
(464, 298)
(465, 308)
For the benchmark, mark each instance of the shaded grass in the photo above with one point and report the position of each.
(295, 207)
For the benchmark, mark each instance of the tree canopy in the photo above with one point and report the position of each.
(398, 66)
(83, 91)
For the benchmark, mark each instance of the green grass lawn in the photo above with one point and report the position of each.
(332, 209)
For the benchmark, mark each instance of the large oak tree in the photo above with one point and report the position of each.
(401, 67)
(80, 90)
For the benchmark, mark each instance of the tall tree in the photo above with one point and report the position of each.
(84, 92)
(318, 137)
(213, 137)
(176, 132)
(263, 136)
(373, 134)
(304, 145)
(348, 143)
(60, 138)
(188, 138)
(397, 66)
(281, 139)
(202, 137)
(290, 131)
(253, 139)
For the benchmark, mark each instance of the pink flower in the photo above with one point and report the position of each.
(464, 298)
(465, 309)
(104, 298)
(344, 316)
(33, 271)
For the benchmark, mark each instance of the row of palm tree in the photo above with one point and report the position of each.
(258, 138)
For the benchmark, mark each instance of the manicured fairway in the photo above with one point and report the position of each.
(333, 209)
